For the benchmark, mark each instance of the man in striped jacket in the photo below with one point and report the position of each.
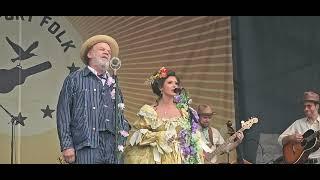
(86, 107)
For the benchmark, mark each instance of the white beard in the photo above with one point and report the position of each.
(101, 64)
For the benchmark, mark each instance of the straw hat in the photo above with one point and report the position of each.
(87, 45)
(311, 96)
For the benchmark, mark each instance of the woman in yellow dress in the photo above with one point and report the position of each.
(167, 131)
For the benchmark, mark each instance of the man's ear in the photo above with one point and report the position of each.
(89, 54)
(160, 88)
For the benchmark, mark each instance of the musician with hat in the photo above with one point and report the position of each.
(293, 135)
(212, 137)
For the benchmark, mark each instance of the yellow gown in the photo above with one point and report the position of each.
(147, 141)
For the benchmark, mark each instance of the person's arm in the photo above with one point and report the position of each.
(286, 139)
(236, 141)
(144, 136)
(291, 134)
(63, 120)
(295, 138)
(221, 146)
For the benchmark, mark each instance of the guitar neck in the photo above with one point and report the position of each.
(231, 138)
(37, 68)
(222, 147)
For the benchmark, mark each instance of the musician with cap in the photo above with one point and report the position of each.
(294, 133)
(85, 109)
(212, 137)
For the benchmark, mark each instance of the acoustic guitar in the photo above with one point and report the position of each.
(11, 78)
(298, 153)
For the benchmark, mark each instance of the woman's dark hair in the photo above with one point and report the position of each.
(158, 83)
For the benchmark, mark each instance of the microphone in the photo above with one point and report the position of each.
(115, 63)
(178, 90)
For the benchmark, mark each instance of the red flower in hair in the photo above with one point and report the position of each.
(163, 72)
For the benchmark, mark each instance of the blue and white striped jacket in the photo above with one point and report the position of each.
(79, 107)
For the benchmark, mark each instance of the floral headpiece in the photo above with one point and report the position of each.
(162, 73)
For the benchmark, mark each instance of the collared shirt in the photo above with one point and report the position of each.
(106, 75)
(301, 126)
(217, 139)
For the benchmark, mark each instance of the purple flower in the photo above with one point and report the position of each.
(194, 127)
(177, 99)
(182, 137)
(195, 114)
(110, 81)
(183, 133)
(186, 151)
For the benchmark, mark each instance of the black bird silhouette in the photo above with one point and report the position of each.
(22, 54)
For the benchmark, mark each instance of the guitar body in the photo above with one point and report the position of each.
(11, 78)
(297, 153)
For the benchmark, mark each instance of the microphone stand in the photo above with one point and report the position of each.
(115, 64)
(12, 130)
(116, 113)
